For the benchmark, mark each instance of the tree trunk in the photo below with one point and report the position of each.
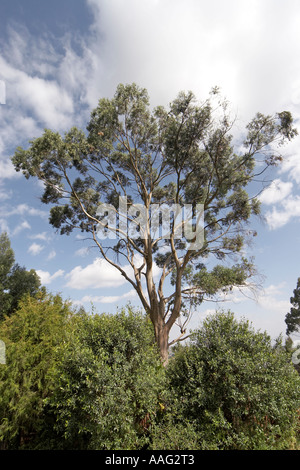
(162, 336)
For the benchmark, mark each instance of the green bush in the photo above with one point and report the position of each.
(109, 383)
(233, 388)
(79, 381)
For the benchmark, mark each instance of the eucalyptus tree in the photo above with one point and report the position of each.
(148, 160)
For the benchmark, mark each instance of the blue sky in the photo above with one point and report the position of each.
(58, 58)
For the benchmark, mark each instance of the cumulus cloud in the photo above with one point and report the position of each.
(40, 236)
(166, 46)
(82, 251)
(51, 255)
(25, 209)
(291, 165)
(169, 46)
(270, 299)
(50, 104)
(96, 275)
(4, 227)
(20, 227)
(276, 192)
(109, 299)
(279, 216)
(5, 194)
(7, 170)
(47, 278)
(100, 274)
(35, 249)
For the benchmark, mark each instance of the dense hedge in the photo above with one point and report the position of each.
(73, 380)
(230, 388)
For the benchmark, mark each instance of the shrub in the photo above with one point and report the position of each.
(234, 388)
(31, 337)
(109, 382)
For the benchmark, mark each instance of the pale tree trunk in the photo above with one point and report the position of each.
(162, 338)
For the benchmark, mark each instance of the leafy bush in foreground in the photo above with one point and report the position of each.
(109, 382)
(234, 388)
(31, 335)
(79, 381)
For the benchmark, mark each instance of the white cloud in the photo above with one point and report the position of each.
(51, 255)
(25, 209)
(47, 278)
(96, 275)
(50, 104)
(288, 210)
(102, 274)
(35, 249)
(270, 299)
(82, 251)
(277, 218)
(109, 299)
(40, 236)
(291, 165)
(22, 226)
(196, 45)
(219, 43)
(276, 192)
(4, 226)
(4, 192)
(7, 170)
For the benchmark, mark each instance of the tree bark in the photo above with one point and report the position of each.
(162, 339)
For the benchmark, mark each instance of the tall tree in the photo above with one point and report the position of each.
(15, 280)
(179, 156)
(292, 318)
(7, 259)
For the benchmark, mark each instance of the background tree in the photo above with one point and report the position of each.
(181, 155)
(31, 336)
(15, 280)
(230, 388)
(7, 259)
(292, 319)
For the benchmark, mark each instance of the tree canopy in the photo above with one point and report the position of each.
(134, 157)
(292, 318)
(15, 280)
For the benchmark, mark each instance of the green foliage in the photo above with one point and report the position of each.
(109, 382)
(96, 382)
(31, 337)
(292, 319)
(15, 281)
(234, 388)
(7, 259)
